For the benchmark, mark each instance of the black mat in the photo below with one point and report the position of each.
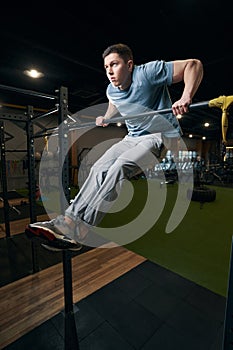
(148, 308)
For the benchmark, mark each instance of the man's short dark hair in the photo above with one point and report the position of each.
(122, 50)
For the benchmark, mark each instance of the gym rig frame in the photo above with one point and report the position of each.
(70, 332)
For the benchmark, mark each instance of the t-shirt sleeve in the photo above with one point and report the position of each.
(159, 72)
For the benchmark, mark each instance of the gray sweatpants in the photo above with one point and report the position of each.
(121, 161)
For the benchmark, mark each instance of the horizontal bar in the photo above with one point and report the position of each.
(16, 150)
(52, 111)
(120, 119)
(27, 92)
(44, 133)
(15, 117)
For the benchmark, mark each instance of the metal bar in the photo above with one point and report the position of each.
(63, 146)
(120, 119)
(71, 337)
(31, 166)
(70, 331)
(4, 181)
(43, 133)
(27, 92)
(12, 105)
(16, 150)
(32, 184)
(15, 117)
(54, 110)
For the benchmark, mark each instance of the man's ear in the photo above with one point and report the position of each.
(130, 65)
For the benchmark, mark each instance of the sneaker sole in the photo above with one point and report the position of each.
(54, 249)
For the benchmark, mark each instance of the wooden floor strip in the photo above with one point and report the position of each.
(32, 300)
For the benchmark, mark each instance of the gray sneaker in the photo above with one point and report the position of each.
(55, 233)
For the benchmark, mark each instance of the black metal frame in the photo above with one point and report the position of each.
(70, 331)
(4, 181)
(71, 337)
(27, 118)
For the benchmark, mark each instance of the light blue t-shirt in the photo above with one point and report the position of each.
(147, 92)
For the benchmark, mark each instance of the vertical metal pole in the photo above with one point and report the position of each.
(31, 165)
(228, 323)
(70, 331)
(4, 181)
(32, 182)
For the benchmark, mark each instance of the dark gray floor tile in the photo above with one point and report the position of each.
(211, 304)
(150, 270)
(108, 300)
(104, 338)
(134, 323)
(167, 338)
(44, 337)
(163, 277)
(132, 283)
(158, 301)
(193, 323)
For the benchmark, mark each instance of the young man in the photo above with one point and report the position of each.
(133, 89)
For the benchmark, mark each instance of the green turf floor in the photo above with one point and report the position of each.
(199, 247)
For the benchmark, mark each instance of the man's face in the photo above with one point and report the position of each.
(118, 71)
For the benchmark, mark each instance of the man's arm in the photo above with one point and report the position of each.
(111, 111)
(191, 73)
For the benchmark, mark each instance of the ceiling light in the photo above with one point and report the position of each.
(206, 125)
(203, 138)
(33, 73)
(190, 135)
